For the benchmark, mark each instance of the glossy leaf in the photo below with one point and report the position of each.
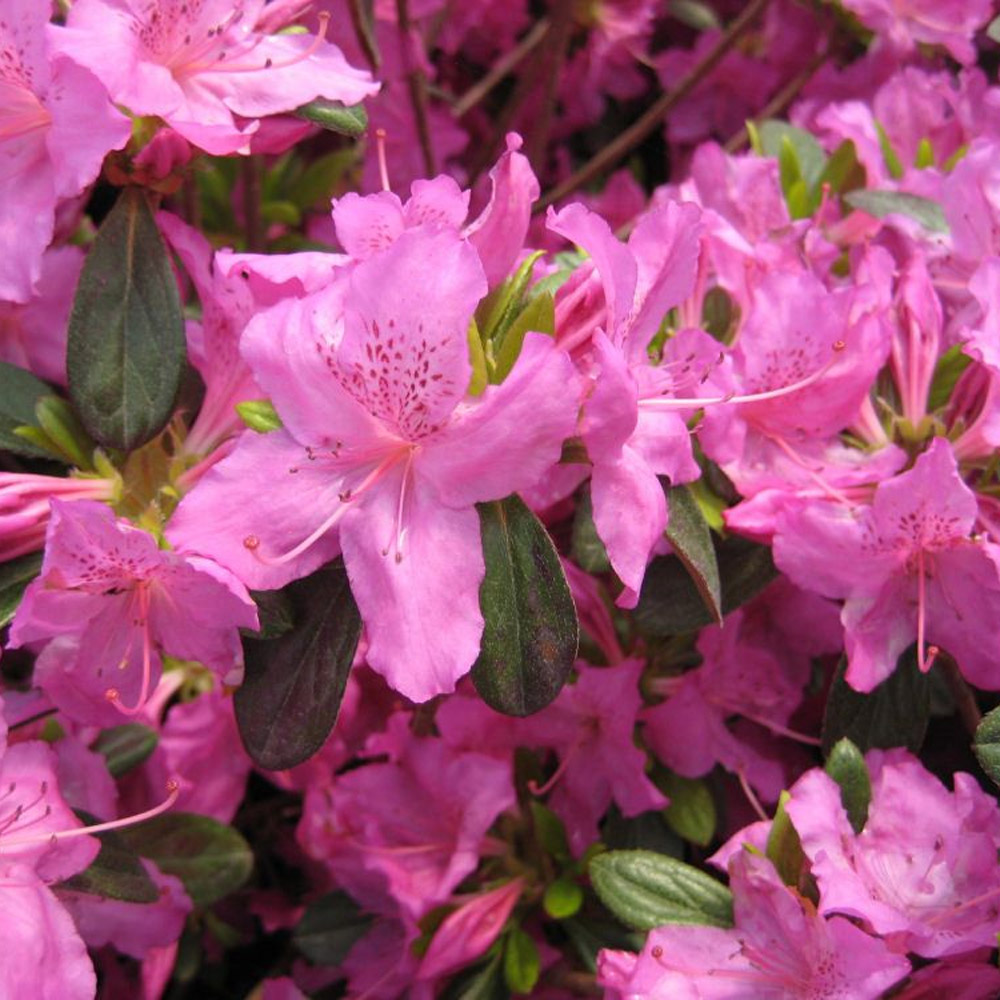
(928, 213)
(646, 890)
(116, 872)
(846, 765)
(126, 746)
(784, 848)
(20, 392)
(211, 859)
(329, 928)
(670, 602)
(987, 744)
(691, 813)
(538, 316)
(531, 632)
(334, 116)
(14, 579)
(259, 415)
(126, 349)
(291, 695)
(689, 534)
(521, 962)
(895, 714)
(586, 547)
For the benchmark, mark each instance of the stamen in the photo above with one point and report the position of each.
(547, 787)
(383, 168)
(112, 694)
(400, 531)
(751, 797)
(666, 403)
(173, 791)
(925, 657)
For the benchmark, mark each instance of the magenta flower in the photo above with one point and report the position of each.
(907, 569)
(382, 455)
(198, 64)
(56, 124)
(779, 949)
(922, 873)
(116, 602)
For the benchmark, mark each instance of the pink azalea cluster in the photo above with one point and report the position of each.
(748, 421)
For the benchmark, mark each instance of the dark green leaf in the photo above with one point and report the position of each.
(290, 698)
(688, 533)
(847, 767)
(895, 714)
(19, 394)
(538, 316)
(586, 547)
(521, 962)
(484, 983)
(549, 831)
(649, 831)
(274, 612)
(670, 603)
(843, 171)
(694, 14)
(126, 746)
(335, 117)
(14, 579)
(882, 203)
(987, 744)
(126, 349)
(212, 860)
(949, 368)
(531, 632)
(646, 890)
(590, 936)
(719, 313)
(691, 813)
(329, 928)
(116, 872)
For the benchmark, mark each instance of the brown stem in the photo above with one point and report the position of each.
(965, 698)
(504, 65)
(416, 83)
(252, 169)
(365, 36)
(536, 145)
(627, 141)
(780, 102)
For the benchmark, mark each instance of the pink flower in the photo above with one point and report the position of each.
(906, 567)
(382, 455)
(922, 872)
(198, 64)
(116, 602)
(56, 124)
(779, 949)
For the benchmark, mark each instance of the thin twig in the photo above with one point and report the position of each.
(627, 141)
(363, 31)
(252, 169)
(536, 144)
(416, 82)
(780, 102)
(504, 65)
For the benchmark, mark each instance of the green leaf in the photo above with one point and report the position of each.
(719, 314)
(803, 155)
(274, 612)
(563, 898)
(116, 872)
(646, 890)
(670, 603)
(649, 831)
(784, 848)
(290, 698)
(586, 547)
(590, 936)
(882, 203)
(334, 116)
(549, 831)
(126, 350)
(329, 928)
(259, 415)
(947, 372)
(987, 744)
(126, 746)
(889, 155)
(14, 579)
(538, 315)
(319, 181)
(846, 765)
(282, 212)
(480, 379)
(20, 392)
(694, 14)
(993, 30)
(497, 311)
(689, 534)
(211, 859)
(925, 155)
(521, 962)
(531, 633)
(691, 813)
(895, 714)
(484, 983)
(843, 171)
(67, 436)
